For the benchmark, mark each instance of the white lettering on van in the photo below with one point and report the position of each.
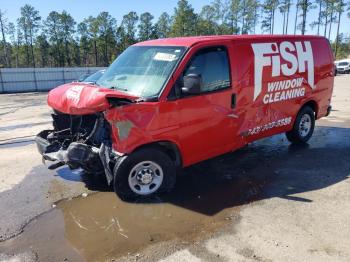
(297, 58)
(267, 127)
(74, 93)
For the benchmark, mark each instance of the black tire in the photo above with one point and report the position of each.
(298, 135)
(125, 164)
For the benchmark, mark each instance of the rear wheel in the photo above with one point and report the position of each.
(144, 173)
(303, 126)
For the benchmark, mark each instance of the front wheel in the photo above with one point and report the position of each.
(144, 173)
(303, 126)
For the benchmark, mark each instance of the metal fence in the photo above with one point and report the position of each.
(13, 80)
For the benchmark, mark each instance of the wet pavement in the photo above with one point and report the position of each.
(211, 200)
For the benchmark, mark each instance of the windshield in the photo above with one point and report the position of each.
(94, 77)
(343, 64)
(142, 70)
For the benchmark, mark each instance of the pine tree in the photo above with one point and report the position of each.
(284, 10)
(42, 49)
(206, 23)
(163, 25)
(340, 8)
(222, 13)
(319, 20)
(146, 28)
(128, 29)
(249, 16)
(53, 29)
(106, 26)
(13, 42)
(234, 16)
(184, 20)
(332, 7)
(269, 9)
(92, 26)
(68, 29)
(297, 9)
(4, 28)
(84, 42)
(29, 22)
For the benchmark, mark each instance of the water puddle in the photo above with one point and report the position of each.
(100, 227)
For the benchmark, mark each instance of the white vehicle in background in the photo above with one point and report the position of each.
(343, 66)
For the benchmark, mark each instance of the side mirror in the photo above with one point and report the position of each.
(192, 84)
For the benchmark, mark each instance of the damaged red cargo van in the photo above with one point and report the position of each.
(169, 103)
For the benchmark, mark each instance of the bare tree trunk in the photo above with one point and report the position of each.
(32, 47)
(255, 18)
(17, 51)
(2, 25)
(17, 56)
(303, 22)
(27, 50)
(243, 17)
(337, 37)
(67, 52)
(106, 50)
(319, 18)
(296, 17)
(273, 21)
(284, 21)
(326, 22)
(288, 8)
(331, 22)
(95, 50)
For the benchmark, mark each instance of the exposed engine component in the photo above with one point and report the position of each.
(79, 142)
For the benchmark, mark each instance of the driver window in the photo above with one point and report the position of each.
(213, 67)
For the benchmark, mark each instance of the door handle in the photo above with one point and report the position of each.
(233, 100)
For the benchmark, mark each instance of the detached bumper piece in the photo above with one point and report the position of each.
(75, 155)
(88, 147)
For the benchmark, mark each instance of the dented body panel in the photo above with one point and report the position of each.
(82, 99)
(271, 78)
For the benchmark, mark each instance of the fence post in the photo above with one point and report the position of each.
(63, 75)
(2, 83)
(35, 80)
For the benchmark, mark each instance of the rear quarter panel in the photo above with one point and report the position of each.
(258, 118)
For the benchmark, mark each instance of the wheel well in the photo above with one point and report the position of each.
(167, 147)
(313, 106)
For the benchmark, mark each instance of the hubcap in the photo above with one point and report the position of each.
(305, 125)
(145, 178)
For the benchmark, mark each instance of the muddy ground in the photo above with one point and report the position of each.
(269, 201)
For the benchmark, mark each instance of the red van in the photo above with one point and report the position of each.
(169, 103)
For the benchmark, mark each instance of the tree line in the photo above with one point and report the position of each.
(58, 40)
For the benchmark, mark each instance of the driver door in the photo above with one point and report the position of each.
(207, 120)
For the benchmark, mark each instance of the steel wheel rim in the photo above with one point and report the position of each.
(305, 125)
(145, 178)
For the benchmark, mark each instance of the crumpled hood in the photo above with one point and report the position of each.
(83, 99)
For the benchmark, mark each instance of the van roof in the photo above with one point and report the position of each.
(192, 40)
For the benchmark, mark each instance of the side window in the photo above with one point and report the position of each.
(213, 66)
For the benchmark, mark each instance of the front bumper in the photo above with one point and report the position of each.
(76, 155)
(343, 70)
